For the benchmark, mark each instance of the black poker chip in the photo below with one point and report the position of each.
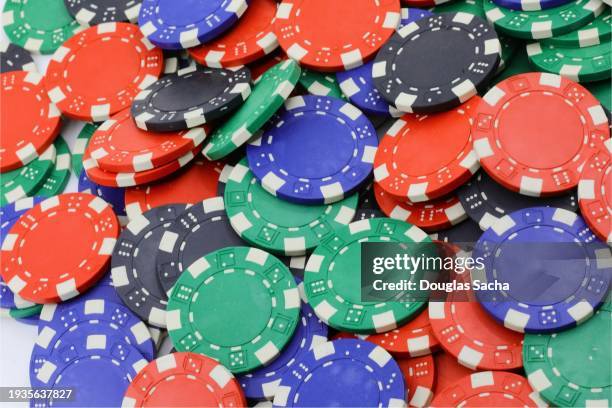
(191, 97)
(93, 12)
(437, 63)
(15, 58)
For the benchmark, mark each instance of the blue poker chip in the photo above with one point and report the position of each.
(97, 366)
(530, 5)
(557, 271)
(115, 196)
(357, 83)
(343, 373)
(319, 150)
(171, 27)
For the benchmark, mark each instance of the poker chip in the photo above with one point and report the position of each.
(526, 248)
(57, 179)
(489, 389)
(530, 5)
(247, 284)
(196, 182)
(79, 146)
(448, 371)
(203, 228)
(28, 314)
(537, 25)
(441, 80)
(419, 375)
(596, 32)
(115, 197)
(69, 80)
(465, 233)
(171, 27)
(336, 372)
(343, 146)
(320, 84)
(119, 146)
(29, 122)
(133, 263)
(248, 41)
(15, 58)
(602, 90)
(183, 379)
(594, 193)
(49, 227)
(537, 152)
(367, 213)
(428, 215)
(280, 226)
(175, 60)
(578, 64)
(39, 26)
(335, 297)
(307, 31)
(403, 171)
(191, 97)
(93, 12)
(566, 370)
(260, 66)
(267, 96)
(26, 181)
(486, 202)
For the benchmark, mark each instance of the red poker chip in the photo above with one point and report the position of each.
(419, 374)
(335, 35)
(29, 122)
(263, 64)
(595, 193)
(59, 248)
(118, 145)
(196, 182)
(448, 371)
(130, 179)
(422, 3)
(100, 70)
(184, 380)
(423, 157)
(533, 132)
(489, 389)
(430, 216)
(251, 38)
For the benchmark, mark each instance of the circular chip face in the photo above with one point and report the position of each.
(26, 181)
(15, 58)
(119, 146)
(489, 389)
(537, 25)
(530, 5)
(215, 297)
(578, 64)
(458, 54)
(28, 120)
(268, 95)
(428, 215)
(596, 32)
(524, 250)
(595, 193)
(568, 371)
(184, 380)
(115, 197)
(332, 277)
(334, 36)
(38, 25)
(133, 263)
(57, 179)
(82, 222)
(410, 164)
(343, 373)
(538, 151)
(82, 94)
(486, 201)
(172, 27)
(195, 182)
(419, 375)
(343, 148)
(191, 97)
(100, 365)
(249, 40)
(280, 226)
(94, 12)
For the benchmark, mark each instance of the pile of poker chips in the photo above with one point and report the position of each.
(234, 156)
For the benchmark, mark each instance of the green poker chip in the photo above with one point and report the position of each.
(60, 174)
(332, 277)
(238, 305)
(519, 64)
(317, 83)
(602, 90)
(25, 312)
(578, 64)
(267, 96)
(25, 181)
(537, 25)
(596, 32)
(38, 25)
(276, 225)
(573, 368)
(80, 144)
